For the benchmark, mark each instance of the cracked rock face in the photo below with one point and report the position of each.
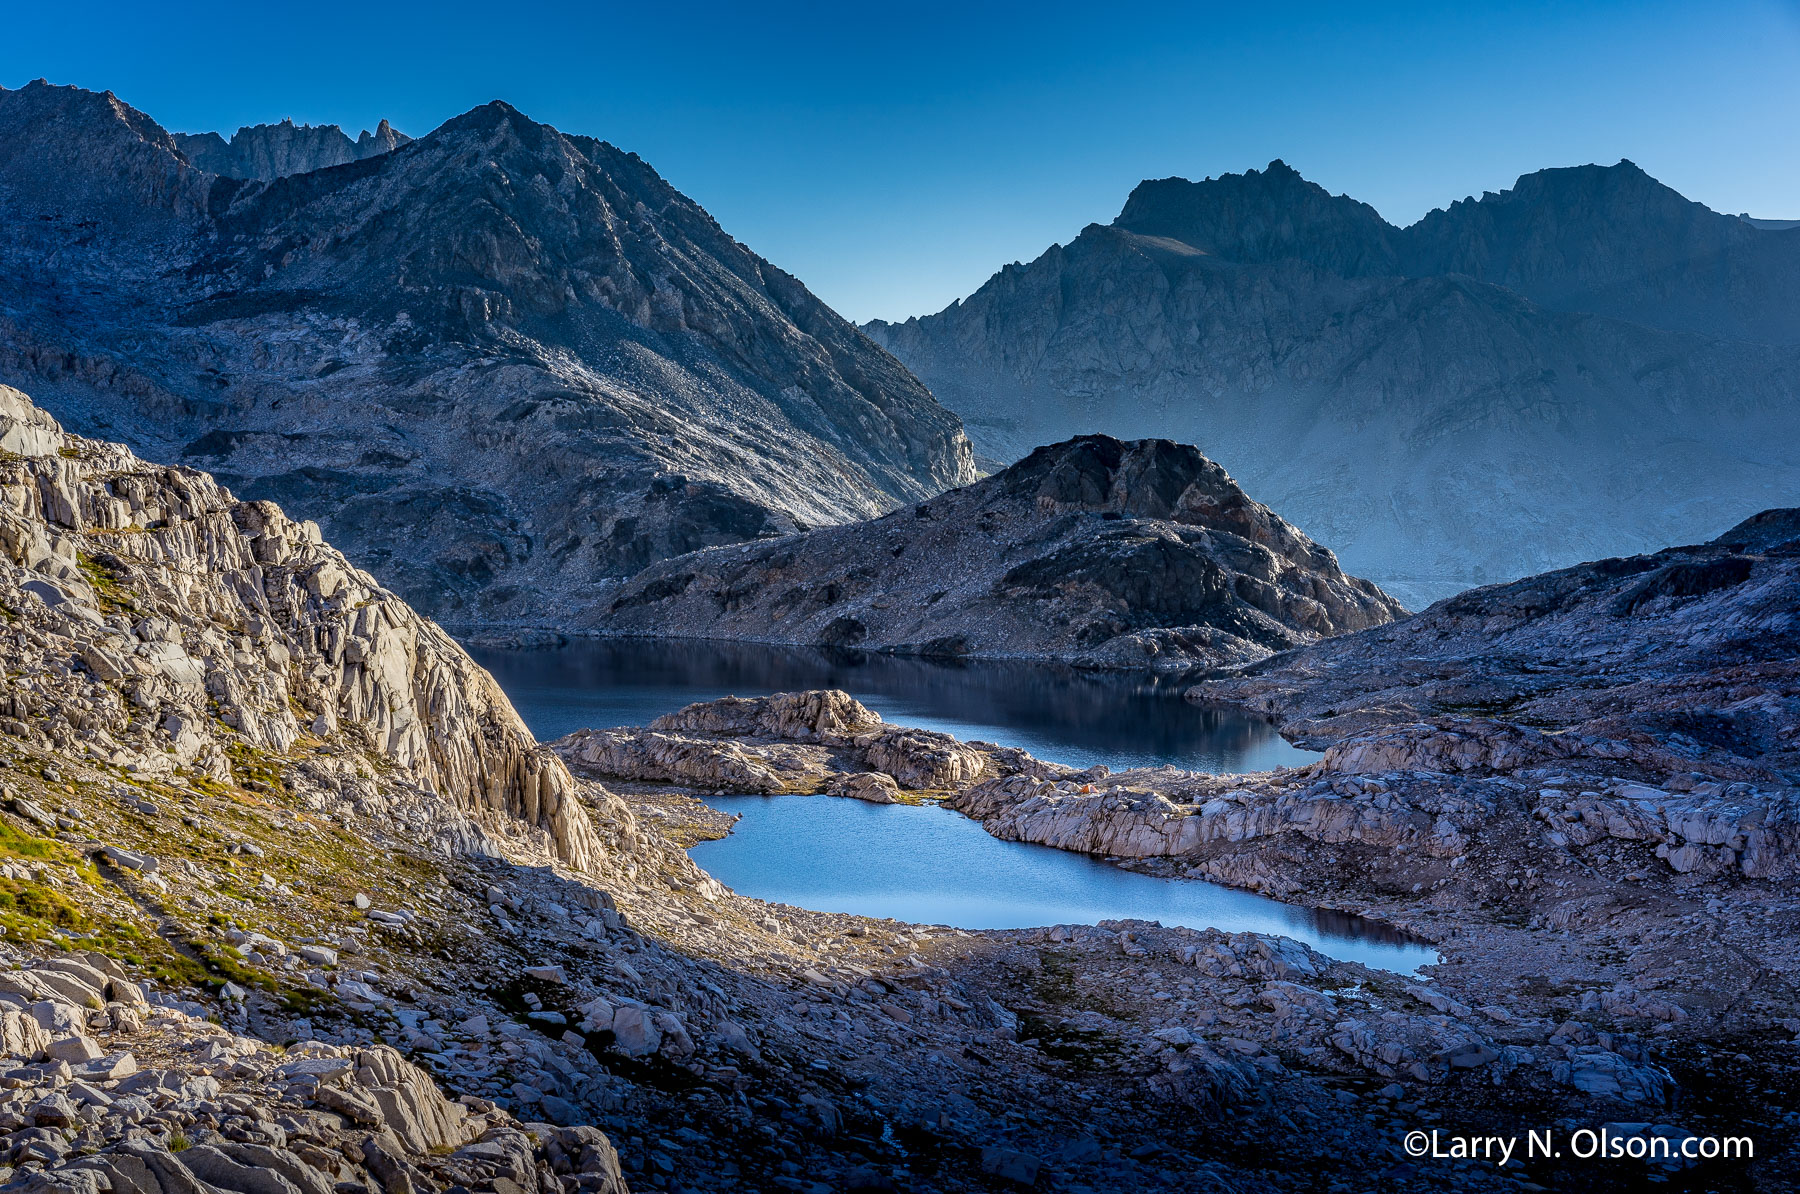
(1500, 389)
(1110, 554)
(168, 627)
(269, 151)
(500, 365)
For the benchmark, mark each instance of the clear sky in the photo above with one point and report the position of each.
(894, 155)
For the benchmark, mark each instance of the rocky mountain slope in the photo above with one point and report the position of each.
(200, 680)
(1584, 365)
(269, 151)
(1691, 655)
(1132, 555)
(294, 905)
(166, 631)
(499, 364)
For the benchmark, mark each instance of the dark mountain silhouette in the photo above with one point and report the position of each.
(499, 363)
(1584, 365)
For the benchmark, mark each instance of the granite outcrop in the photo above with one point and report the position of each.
(1139, 555)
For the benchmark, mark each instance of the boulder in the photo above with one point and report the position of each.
(635, 1032)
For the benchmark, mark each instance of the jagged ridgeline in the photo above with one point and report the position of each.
(158, 628)
(497, 363)
(1585, 365)
(276, 150)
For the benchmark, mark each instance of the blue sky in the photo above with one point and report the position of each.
(895, 155)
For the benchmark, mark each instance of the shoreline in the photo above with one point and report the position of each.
(1325, 941)
(477, 642)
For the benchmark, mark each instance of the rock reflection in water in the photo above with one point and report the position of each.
(1347, 926)
(1057, 713)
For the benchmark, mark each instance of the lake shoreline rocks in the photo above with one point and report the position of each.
(1562, 894)
(291, 896)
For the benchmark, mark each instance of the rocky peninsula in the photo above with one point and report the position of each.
(1108, 554)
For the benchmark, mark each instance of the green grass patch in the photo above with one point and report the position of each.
(108, 581)
(16, 843)
(250, 765)
(32, 911)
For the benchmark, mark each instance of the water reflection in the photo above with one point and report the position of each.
(926, 864)
(1057, 713)
(932, 866)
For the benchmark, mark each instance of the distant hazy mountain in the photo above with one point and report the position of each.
(499, 363)
(276, 150)
(1585, 365)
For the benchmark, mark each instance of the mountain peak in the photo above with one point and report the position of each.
(1570, 189)
(1613, 240)
(494, 108)
(486, 118)
(67, 153)
(1622, 180)
(1270, 215)
(53, 104)
(612, 377)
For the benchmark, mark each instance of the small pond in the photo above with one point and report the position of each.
(933, 866)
